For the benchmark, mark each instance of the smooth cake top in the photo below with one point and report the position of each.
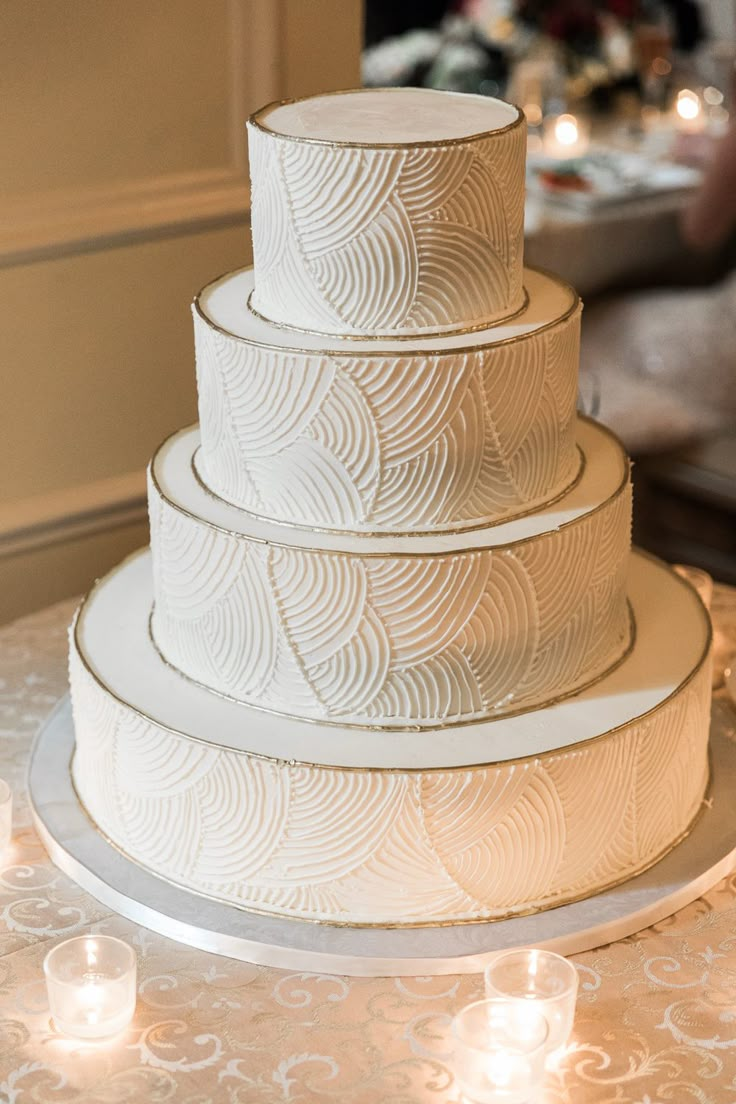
(387, 116)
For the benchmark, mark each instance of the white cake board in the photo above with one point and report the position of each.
(707, 855)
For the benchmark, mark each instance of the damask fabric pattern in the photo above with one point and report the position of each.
(654, 1022)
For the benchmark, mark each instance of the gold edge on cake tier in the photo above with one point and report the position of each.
(395, 335)
(414, 727)
(365, 534)
(392, 770)
(337, 353)
(555, 902)
(337, 143)
(501, 547)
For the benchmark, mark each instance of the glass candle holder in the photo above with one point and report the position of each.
(6, 816)
(91, 983)
(499, 1049)
(543, 979)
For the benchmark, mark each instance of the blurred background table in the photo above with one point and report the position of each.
(685, 490)
(626, 244)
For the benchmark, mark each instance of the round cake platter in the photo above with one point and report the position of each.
(77, 848)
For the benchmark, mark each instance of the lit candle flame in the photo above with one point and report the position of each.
(688, 105)
(500, 1068)
(566, 130)
(91, 996)
(713, 96)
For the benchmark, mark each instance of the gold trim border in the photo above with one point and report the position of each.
(394, 335)
(255, 121)
(336, 354)
(472, 527)
(415, 727)
(410, 924)
(621, 489)
(682, 685)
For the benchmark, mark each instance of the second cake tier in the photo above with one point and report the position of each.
(392, 631)
(450, 433)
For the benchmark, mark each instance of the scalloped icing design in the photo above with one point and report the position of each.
(393, 241)
(390, 847)
(392, 640)
(387, 442)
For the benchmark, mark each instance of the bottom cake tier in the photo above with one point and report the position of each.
(372, 827)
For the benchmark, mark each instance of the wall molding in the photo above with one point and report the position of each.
(43, 227)
(41, 521)
(47, 225)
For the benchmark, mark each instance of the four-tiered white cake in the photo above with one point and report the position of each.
(389, 660)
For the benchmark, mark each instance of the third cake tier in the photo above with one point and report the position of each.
(395, 631)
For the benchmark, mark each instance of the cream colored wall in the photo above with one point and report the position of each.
(123, 189)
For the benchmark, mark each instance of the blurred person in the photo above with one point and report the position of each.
(659, 366)
(711, 217)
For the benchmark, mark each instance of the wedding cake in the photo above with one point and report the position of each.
(390, 659)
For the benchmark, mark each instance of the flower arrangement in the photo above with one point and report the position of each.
(476, 48)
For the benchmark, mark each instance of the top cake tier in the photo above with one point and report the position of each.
(388, 212)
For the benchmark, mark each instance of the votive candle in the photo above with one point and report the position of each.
(499, 1049)
(689, 111)
(91, 983)
(547, 981)
(565, 136)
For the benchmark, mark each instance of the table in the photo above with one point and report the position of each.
(624, 245)
(656, 1015)
(637, 243)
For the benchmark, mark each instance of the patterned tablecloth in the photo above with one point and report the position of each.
(656, 1019)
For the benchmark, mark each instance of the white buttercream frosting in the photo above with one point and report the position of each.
(461, 566)
(376, 846)
(397, 439)
(350, 239)
(387, 115)
(407, 636)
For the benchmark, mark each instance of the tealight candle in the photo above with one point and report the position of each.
(542, 981)
(565, 136)
(499, 1051)
(689, 111)
(6, 815)
(91, 983)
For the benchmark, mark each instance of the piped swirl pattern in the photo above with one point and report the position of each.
(387, 639)
(388, 442)
(350, 240)
(391, 847)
